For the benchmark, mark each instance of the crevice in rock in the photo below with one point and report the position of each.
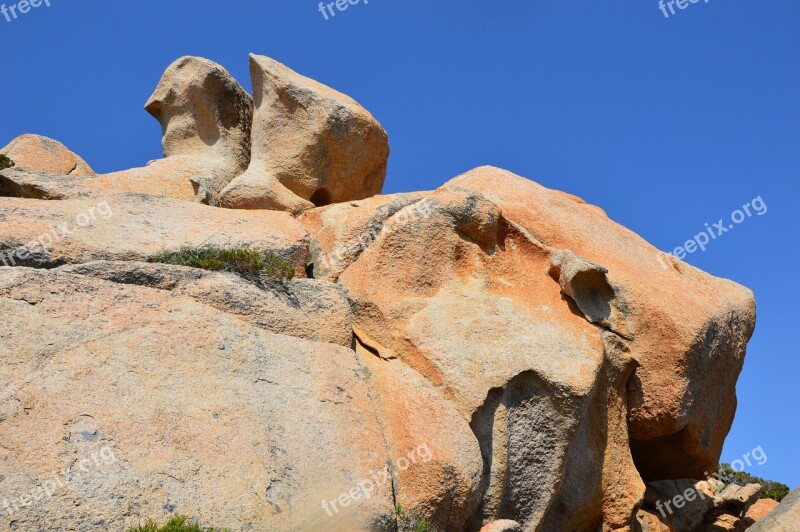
(394, 506)
(372, 346)
(384, 430)
(575, 309)
(586, 287)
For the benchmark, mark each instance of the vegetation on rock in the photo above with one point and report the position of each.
(245, 262)
(412, 523)
(769, 488)
(176, 524)
(5, 162)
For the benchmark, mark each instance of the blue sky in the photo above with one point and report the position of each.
(667, 123)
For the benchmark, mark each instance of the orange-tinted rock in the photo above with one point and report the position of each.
(340, 232)
(199, 413)
(688, 329)
(41, 154)
(469, 302)
(724, 523)
(501, 347)
(648, 521)
(502, 525)
(760, 509)
(441, 479)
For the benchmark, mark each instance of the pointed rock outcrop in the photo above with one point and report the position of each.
(205, 117)
(311, 145)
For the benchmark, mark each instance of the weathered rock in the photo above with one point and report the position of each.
(205, 414)
(724, 523)
(340, 232)
(712, 486)
(502, 525)
(737, 498)
(677, 504)
(205, 117)
(502, 339)
(689, 329)
(784, 518)
(18, 183)
(41, 154)
(311, 145)
(304, 308)
(444, 488)
(759, 510)
(468, 302)
(710, 506)
(199, 413)
(135, 227)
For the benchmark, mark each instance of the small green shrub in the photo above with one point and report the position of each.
(246, 262)
(176, 524)
(769, 488)
(412, 523)
(5, 162)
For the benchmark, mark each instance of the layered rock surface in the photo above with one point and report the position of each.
(491, 355)
(134, 227)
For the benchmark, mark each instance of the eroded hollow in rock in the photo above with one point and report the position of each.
(321, 198)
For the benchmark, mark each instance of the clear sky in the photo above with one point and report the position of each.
(666, 123)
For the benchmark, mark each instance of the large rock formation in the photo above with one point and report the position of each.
(468, 301)
(492, 355)
(688, 330)
(311, 145)
(199, 412)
